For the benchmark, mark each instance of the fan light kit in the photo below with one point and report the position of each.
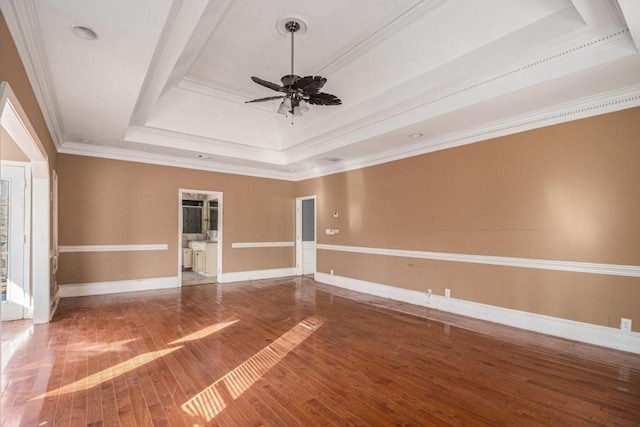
(298, 91)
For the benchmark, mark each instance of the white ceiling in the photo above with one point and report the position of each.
(167, 80)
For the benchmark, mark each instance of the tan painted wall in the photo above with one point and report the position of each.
(109, 202)
(567, 192)
(9, 150)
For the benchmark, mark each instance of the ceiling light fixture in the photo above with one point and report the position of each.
(84, 32)
(298, 91)
(416, 135)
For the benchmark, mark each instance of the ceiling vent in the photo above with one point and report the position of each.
(332, 159)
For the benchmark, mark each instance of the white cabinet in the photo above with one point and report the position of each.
(199, 261)
(205, 258)
(187, 258)
(212, 259)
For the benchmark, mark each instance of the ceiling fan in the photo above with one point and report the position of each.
(298, 91)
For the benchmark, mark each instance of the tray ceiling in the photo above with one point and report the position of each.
(166, 80)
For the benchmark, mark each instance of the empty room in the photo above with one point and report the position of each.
(285, 213)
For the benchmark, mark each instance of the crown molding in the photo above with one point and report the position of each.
(199, 144)
(587, 107)
(22, 19)
(471, 90)
(165, 160)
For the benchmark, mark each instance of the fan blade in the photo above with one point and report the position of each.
(268, 84)
(270, 98)
(310, 84)
(322, 98)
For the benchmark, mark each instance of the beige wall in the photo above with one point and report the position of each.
(567, 192)
(109, 202)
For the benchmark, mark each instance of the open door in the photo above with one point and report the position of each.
(306, 235)
(14, 279)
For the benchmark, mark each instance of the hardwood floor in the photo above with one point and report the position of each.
(292, 352)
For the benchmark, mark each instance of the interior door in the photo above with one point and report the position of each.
(12, 234)
(308, 236)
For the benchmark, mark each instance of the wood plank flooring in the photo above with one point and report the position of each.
(293, 352)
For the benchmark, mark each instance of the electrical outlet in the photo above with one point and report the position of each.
(625, 324)
(331, 271)
(429, 291)
(447, 293)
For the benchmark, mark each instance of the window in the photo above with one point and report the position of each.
(192, 216)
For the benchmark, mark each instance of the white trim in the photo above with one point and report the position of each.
(569, 329)
(239, 245)
(542, 264)
(17, 124)
(241, 276)
(116, 287)
(113, 248)
(128, 155)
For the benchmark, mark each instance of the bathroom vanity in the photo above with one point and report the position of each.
(205, 257)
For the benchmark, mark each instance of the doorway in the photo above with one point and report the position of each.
(200, 237)
(37, 252)
(14, 210)
(306, 235)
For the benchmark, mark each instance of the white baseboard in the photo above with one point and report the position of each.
(241, 276)
(103, 288)
(577, 331)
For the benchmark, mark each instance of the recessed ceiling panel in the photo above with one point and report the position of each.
(246, 42)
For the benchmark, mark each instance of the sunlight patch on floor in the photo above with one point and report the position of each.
(101, 347)
(109, 373)
(203, 332)
(207, 404)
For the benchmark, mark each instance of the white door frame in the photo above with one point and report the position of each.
(16, 122)
(299, 249)
(25, 234)
(218, 195)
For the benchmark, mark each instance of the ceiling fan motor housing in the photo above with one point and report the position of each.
(289, 80)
